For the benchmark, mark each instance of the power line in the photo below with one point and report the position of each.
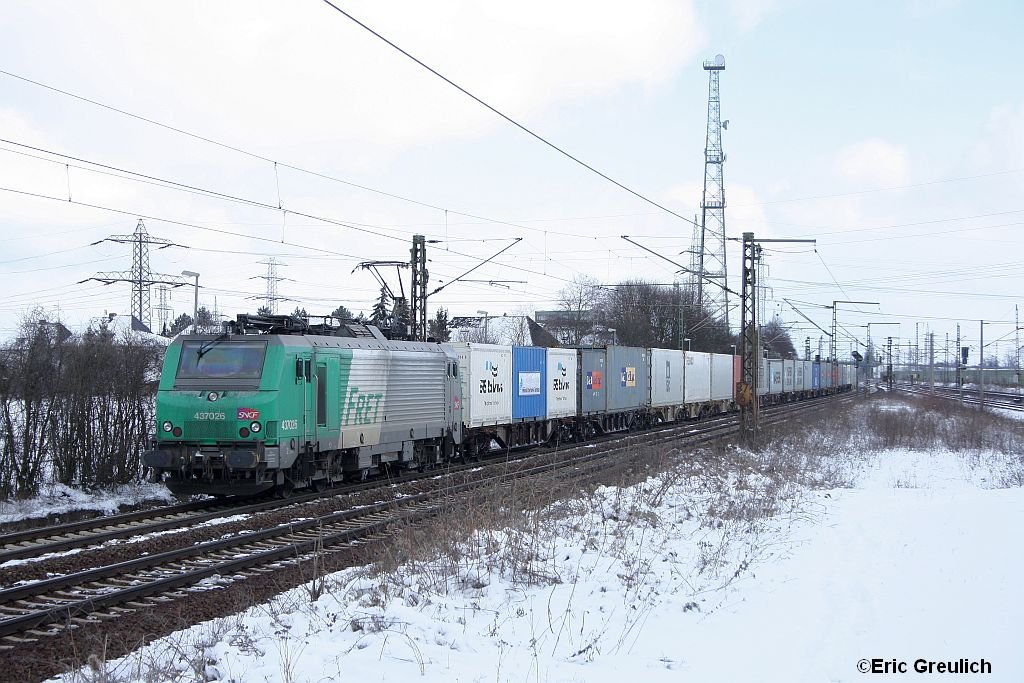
(64, 200)
(507, 117)
(226, 197)
(274, 162)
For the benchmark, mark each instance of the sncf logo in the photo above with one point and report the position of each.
(491, 368)
(248, 414)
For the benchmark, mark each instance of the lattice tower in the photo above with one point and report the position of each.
(141, 276)
(708, 255)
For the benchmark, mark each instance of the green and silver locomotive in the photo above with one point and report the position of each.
(275, 403)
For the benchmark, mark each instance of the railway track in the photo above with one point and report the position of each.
(1006, 400)
(86, 534)
(98, 597)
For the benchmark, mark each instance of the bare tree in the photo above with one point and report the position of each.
(775, 336)
(643, 313)
(577, 301)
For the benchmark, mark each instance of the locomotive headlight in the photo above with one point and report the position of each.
(167, 426)
(255, 427)
(212, 396)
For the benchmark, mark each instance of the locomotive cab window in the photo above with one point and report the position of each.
(224, 360)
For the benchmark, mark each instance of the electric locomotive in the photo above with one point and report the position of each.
(297, 405)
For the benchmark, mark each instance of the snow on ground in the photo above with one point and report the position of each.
(702, 578)
(58, 499)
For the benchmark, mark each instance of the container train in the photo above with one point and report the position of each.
(276, 404)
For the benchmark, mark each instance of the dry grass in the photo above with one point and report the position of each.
(730, 501)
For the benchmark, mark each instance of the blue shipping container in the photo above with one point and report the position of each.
(816, 376)
(529, 378)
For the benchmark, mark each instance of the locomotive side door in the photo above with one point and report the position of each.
(454, 399)
(304, 378)
(320, 398)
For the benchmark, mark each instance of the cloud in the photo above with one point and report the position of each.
(874, 162)
(749, 13)
(1001, 146)
(290, 74)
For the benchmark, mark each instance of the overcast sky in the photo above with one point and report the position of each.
(891, 132)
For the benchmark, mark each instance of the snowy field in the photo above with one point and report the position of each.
(58, 499)
(715, 576)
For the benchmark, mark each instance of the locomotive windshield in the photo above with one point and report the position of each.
(222, 360)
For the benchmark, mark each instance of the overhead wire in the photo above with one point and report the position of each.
(227, 197)
(506, 116)
(274, 162)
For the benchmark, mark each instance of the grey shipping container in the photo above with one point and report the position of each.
(627, 385)
(593, 381)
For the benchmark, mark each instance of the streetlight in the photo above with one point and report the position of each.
(195, 305)
(687, 340)
(614, 337)
(484, 314)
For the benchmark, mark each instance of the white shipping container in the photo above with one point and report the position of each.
(666, 377)
(697, 379)
(798, 375)
(774, 376)
(788, 370)
(721, 377)
(808, 375)
(486, 375)
(561, 389)
(762, 376)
